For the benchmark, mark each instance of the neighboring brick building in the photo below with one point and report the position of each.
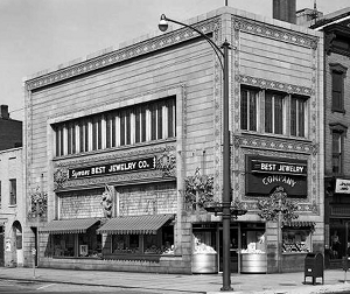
(10, 130)
(12, 207)
(336, 29)
(128, 147)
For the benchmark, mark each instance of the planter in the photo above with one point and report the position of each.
(253, 263)
(204, 263)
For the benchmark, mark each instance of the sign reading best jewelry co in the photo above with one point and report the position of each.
(263, 174)
(114, 168)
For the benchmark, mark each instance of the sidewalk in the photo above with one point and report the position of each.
(291, 283)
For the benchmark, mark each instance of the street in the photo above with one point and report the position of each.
(29, 287)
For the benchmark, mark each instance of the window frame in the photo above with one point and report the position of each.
(339, 131)
(246, 121)
(127, 126)
(276, 122)
(12, 192)
(337, 70)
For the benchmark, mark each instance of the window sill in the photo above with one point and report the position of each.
(12, 206)
(339, 110)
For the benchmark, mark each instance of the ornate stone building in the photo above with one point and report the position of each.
(128, 147)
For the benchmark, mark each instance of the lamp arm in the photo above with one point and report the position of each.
(210, 41)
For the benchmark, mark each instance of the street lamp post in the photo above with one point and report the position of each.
(226, 199)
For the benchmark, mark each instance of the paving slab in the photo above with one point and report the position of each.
(285, 283)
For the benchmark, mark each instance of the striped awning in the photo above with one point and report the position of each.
(298, 224)
(69, 226)
(147, 224)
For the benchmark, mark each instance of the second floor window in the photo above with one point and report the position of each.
(274, 113)
(249, 109)
(337, 152)
(126, 126)
(298, 116)
(13, 192)
(338, 74)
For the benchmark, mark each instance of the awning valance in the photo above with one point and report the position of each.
(147, 224)
(298, 224)
(69, 226)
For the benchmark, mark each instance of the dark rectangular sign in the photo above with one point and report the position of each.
(264, 174)
(114, 168)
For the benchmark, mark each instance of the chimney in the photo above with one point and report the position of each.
(306, 15)
(4, 112)
(284, 10)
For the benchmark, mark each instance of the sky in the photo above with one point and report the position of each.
(36, 35)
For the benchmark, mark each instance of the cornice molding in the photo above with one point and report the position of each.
(124, 54)
(275, 144)
(274, 32)
(274, 85)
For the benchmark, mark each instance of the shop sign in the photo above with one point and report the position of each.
(278, 167)
(342, 186)
(114, 168)
(263, 174)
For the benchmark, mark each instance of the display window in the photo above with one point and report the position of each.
(125, 244)
(161, 243)
(253, 238)
(88, 245)
(296, 240)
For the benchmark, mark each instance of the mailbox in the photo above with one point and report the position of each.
(313, 266)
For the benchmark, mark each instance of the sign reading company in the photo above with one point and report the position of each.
(263, 174)
(342, 186)
(114, 168)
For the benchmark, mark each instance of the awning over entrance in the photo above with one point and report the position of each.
(147, 224)
(69, 226)
(298, 224)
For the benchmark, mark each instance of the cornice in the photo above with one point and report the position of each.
(124, 54)
(274, 85)
(275, 144)
(273, 32)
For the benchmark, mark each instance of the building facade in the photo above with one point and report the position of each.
(336, 29)
(12, 206)
(127, 147)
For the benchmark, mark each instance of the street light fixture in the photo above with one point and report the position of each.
(226, 199)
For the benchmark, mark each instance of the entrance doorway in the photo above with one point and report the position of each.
(234, 249)
(17, 233)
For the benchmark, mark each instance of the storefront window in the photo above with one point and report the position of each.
(204, 239)
(125, 244)
(86, 245)
(253, 238)
(296, 240)
(161, 243)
